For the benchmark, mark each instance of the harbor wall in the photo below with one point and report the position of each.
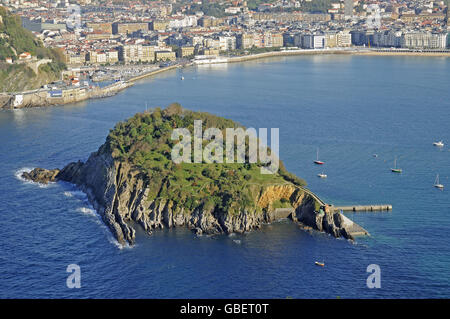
(72, 95)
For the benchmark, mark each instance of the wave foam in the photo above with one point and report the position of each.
(87, 211)
(18, 175)
(90, 211)
(77, 194)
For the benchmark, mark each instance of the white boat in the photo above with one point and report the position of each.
(437, 184)
(439, 144)
(322, 175)
(395, 169)
(182, 77)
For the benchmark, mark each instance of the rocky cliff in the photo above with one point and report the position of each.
(123, 192)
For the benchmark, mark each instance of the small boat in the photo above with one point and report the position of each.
(182, 77)
(322, 175)
(439, 144)
(395, 169)
(375, 155)
(437, 184)
(317, 159)
(322, 264)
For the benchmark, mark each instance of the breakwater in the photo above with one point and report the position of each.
(46, 97)
(364, 208)
(142, 76)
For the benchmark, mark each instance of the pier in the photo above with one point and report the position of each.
(364, 208)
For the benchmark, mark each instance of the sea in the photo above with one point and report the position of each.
(360, 112)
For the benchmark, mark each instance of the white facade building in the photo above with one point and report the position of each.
(227, 43)
(424, 40)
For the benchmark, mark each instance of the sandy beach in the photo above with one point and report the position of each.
(337, 51)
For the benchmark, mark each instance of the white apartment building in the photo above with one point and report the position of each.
(424, 40)
(137, 53)
(227, 43)
(211, 43)
(343, 39)
(183, 22)
(313, 41)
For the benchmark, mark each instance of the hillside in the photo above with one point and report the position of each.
(14, 40)
(145, 142)
(131, 180)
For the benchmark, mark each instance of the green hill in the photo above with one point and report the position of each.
(14, 40)
(134, 179)
(144, 141)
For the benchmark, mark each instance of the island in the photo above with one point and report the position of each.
(132, 180)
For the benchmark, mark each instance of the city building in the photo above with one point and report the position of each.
(165, 56)
(133, 53)
(424, 40)
(128, 28)
(186, 51)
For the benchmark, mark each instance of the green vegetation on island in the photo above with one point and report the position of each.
(133, 180)
(144, 141)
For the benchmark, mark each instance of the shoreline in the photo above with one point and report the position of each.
(367, 52)
(404, 53)
(143, 76)
(41, 100)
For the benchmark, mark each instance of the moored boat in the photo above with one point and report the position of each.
(317, 159)
(322, 264)
(395, 169)
(437, 184)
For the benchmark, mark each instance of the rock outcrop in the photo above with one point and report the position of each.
(42, 176)
(132, 182)
(120, 195)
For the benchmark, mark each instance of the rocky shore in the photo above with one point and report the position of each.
(123, 195)
(119, 195)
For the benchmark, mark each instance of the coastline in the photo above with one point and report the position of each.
(367, 52)
(283, 53)
(143, 76)
(39, 98)
(404, 53)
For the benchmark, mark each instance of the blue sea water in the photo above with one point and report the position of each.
(349, 107)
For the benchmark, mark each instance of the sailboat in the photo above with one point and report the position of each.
(439, 144)
(437, 184)
(317, 159)
(322, 175)
(395, 169)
